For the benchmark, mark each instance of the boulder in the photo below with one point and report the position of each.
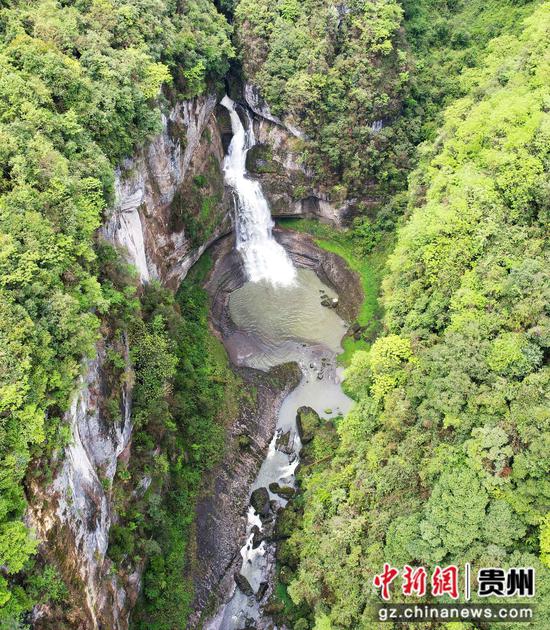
(259, 500)
(262, 589)
(284, 443)
(257, 538)
(285, 492)
(307, 420)
(243, 585)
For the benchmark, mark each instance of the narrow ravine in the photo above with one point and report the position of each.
(281, 314)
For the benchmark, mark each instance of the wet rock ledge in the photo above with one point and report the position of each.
(222, 508)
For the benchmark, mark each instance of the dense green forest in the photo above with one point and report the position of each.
(432, 116)
(336, 70)
(79, 88)
(445, 457)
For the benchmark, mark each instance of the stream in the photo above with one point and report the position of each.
(278, 317)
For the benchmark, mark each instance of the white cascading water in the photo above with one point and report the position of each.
(281, 312)
(264, 259)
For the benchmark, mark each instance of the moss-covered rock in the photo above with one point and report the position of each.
(244, 441)
(197, 205)
(307, 421)
(262, 589)
(285, 443)
(259, 500)
(259, 160)
(285, 492)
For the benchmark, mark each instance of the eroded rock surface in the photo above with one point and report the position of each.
(74, 512)
(221, 516)
(288, 186)
(222, 508)
(170, 205)
(170, 198)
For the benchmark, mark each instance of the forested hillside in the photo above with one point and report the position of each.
(429, 120)
(445, 458)
(364, 80)
(79, 88)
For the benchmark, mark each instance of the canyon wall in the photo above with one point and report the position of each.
(222, 506)
(170, 199)
(73, 514)
(289, 187)
(170, 205)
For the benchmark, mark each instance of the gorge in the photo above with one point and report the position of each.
(273, 307)
(253, 273)
(278, 318)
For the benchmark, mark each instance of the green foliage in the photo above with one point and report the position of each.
(445, 457)
(155, 366)
(320, 442)
(545, 541)
(45, 585)
(366, 80)
(446, 38)
(334, 71)
(193, 207)
(182, 386)
(77, 83)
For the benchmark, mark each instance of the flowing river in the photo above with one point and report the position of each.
(280, 309)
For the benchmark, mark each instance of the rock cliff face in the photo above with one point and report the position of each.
(170, 201)
(222, 507)
(170, 205)
(288, 186)
(73, 514)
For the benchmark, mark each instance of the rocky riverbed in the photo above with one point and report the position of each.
(223, 523)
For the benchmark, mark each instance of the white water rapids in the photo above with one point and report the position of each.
(263, 257)
(278, 318)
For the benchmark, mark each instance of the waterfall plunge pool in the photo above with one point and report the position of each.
(275, 325)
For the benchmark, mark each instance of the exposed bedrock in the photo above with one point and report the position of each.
(73, 513)
(221, 512)
(222, 508)
(275, 160)
(170, 199)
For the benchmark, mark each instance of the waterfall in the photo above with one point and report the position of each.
(264, 259)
